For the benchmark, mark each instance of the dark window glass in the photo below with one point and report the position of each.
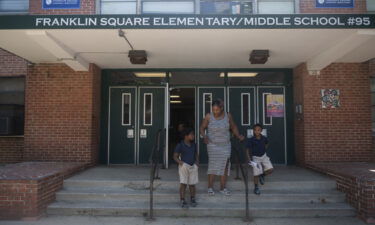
(12, 105)
(126, 101)
(245, 109)
(148, 109)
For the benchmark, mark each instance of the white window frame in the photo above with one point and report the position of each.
(248, 107)
(265, 111)
(144, 108)
(204, 103)
(130, 109)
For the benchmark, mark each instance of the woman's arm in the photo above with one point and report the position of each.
(234, 128)
(203, 128)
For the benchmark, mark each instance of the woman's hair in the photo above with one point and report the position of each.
(218, 102)
(257, 125)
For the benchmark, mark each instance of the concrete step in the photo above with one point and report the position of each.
(233, 185)
(204, 209)
(165, 196)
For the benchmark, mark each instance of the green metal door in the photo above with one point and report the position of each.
(242, 107)
(205, 97)
(151, 119)
(122, 121)
(271, 114)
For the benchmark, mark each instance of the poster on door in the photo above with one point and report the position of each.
(275, 105)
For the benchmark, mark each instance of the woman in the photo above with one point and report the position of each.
(218, 124)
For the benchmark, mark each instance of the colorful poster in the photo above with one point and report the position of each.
(330, 98)
(61, 4)
(275, 105)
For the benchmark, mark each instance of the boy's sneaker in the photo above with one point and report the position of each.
(256, 190)
(210, 192)
(193, 203)
(261, 179)
(184, 204)
(225, 192)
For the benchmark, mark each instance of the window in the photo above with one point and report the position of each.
(168, 7)
(373, 104)
(147, 112)
(266, 119)
(16, 6)
(118, 6)
(276, 6)
(370, 5)
(126, 109)
(12, 105)
(245, 113)
(226, 7)
(207, 99)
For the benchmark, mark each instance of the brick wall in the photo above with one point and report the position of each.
(26, 189)
(62, 114)
(341, 134)
(308, 6)
(87, 7)
(11, 148)
(356, 180)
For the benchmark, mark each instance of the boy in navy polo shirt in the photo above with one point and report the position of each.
(186, 155)
(256, 151)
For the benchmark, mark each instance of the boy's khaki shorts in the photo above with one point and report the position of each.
(188, 174)
(264, 164)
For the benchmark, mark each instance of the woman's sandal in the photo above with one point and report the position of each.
(210, 192)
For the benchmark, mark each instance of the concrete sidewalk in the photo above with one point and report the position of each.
(106, 220)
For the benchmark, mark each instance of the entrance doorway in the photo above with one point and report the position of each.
(136, 112)
(182, 114)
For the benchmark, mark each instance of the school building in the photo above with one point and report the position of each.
(90, 82)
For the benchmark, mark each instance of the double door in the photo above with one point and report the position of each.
(249, 106)
(135, 116)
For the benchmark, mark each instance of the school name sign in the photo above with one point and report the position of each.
(294, 21)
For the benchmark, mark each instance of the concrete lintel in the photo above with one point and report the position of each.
(59, 50)
(339, 50)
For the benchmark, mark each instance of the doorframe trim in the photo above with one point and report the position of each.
(138, 125)
(168, 119)
(109, 121)
(285, 124)
(254, 102)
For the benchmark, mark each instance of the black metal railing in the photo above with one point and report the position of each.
(238, 149)
(154, 171)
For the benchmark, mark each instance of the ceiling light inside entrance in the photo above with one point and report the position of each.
(174, 96)
(240, 74)
(152, 74)
(175, 101)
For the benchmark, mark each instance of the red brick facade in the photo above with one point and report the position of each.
(62, 114)
(87, 7)
(330, 135)
(308, 6)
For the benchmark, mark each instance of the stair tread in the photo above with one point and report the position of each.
(201, 205)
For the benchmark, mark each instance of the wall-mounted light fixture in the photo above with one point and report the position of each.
(138, 56)
(259, 56)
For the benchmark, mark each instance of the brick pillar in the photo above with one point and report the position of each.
(329, 135)
(62, 114)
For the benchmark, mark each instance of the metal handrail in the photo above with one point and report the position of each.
(154, 172)
(237, 147)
